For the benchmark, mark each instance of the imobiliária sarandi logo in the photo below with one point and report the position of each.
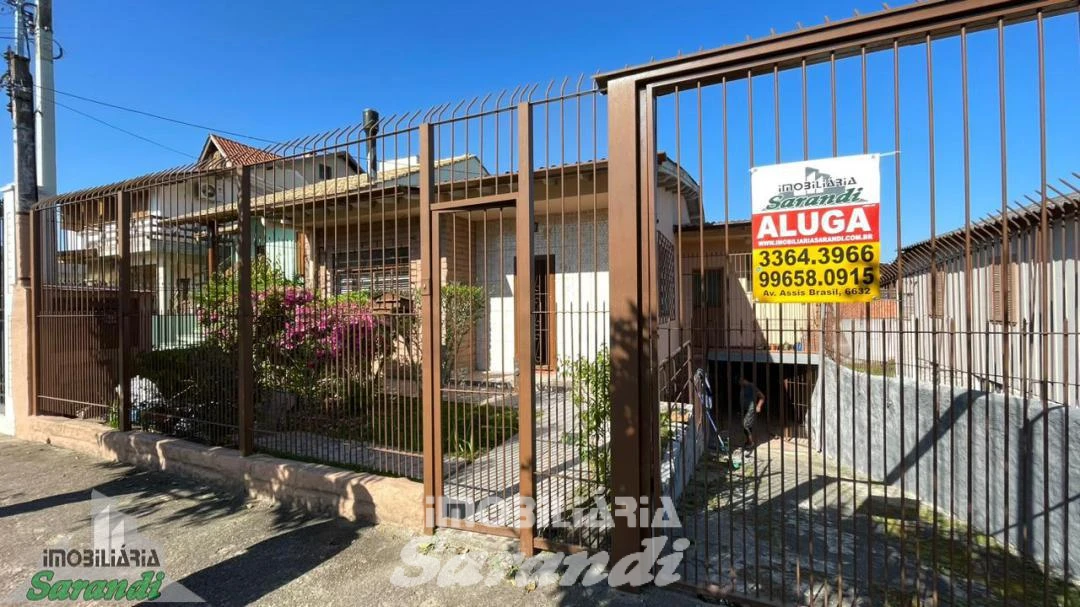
(119, 565)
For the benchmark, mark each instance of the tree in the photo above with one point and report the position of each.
(462, 309)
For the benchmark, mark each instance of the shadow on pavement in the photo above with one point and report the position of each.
(271, 563)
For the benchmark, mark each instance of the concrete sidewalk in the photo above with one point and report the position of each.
(234, 551)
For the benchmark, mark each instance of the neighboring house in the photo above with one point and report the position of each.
(778, 346)
(171, 260)
(363, 234)
(1006, 303)
(720, 311)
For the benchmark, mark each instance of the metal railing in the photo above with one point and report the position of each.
(929, 464)
(445, 295)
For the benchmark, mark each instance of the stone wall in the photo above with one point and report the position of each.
(316, 488)
(1003, 455)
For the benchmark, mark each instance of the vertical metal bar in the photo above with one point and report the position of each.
(246, 376)
(969, 298)
(836, 337)
(524, 214)
(869, 358)
(1044, 311)
(700, 412)
(783, 405)
(437, 403)
(1006, 275)
(37, 248)
(628, 328)
(935, 312)
(123, 233)
(429, 408)
(753, 369)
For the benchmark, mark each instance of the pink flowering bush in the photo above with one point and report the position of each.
(328, 351)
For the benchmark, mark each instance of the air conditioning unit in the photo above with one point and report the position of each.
(206, 191)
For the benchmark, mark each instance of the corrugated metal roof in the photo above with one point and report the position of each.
(945, 247)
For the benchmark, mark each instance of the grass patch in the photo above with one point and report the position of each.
(925, 531)
(396, 422)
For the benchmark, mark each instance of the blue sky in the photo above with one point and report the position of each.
(280, 70)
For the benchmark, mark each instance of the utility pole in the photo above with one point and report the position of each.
(44, 100)
(21, 41)
(18, 350)
(21, 90)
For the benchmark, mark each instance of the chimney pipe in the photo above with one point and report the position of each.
(371, 129)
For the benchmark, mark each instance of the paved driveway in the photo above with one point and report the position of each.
(233, 551)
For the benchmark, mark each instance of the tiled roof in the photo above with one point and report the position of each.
(239, 154)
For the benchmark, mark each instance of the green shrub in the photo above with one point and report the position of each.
(462, 309)
(590, 392)
(327, 350)
(198, 373)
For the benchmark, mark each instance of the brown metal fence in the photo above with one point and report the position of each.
(446, 296)
(915, 450)
(283, 300)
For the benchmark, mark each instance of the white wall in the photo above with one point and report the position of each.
(180, 198)
(580, 248)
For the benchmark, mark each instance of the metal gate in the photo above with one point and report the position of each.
(517, 288)
(910, 451)
(477, 225)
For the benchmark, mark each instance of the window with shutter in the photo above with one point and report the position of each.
(999, 298)
(936, 292)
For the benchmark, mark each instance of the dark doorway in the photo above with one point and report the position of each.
(544, 312)
(788, 388)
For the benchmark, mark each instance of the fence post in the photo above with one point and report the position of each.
(36, 295)
(123, 234)
(246, 372)
(211, 251)
(523, 233)
(428, 369)
(633, 459)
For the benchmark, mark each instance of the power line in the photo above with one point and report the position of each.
(158, 116)
(123, 130)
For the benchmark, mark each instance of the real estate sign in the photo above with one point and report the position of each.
(817, 234)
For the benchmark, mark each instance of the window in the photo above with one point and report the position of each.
(935, 285)
(374, 271)
(665, 261)
(181, 297)
(998, 293)
(324, 171)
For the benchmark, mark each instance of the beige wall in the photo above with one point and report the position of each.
(989, 351)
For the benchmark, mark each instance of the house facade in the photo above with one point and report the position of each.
(363, 234)
(170, 261)
(991, 336)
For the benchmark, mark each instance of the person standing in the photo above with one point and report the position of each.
(753, 402)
